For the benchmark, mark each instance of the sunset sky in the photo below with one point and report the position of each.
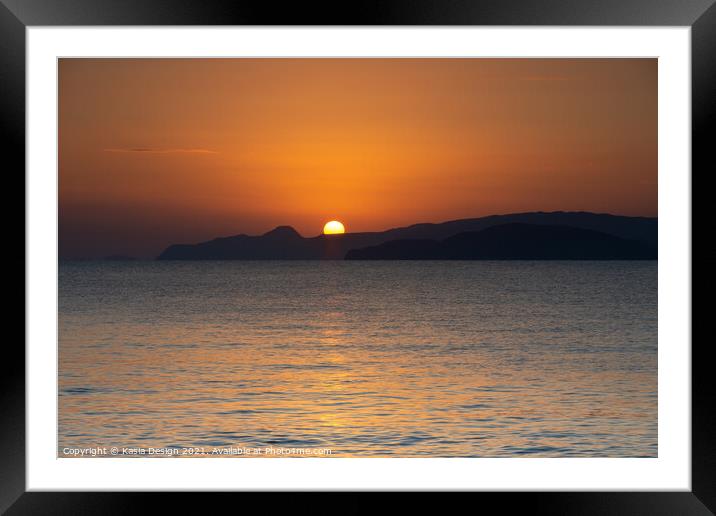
(160, 151)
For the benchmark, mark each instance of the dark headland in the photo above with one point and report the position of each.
(529, 236)
(513, 241)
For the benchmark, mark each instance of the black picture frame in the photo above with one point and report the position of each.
(700, 15)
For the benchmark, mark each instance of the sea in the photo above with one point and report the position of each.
(358, 359)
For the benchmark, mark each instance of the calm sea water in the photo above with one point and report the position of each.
(468, 359)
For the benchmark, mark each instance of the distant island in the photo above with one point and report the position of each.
(513, 241)
(535, 235)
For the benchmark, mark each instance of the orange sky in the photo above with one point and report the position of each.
(161, 151)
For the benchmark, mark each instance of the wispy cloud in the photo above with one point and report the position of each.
(149, 150)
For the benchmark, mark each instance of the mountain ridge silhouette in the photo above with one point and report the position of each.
(513, 241)
(285, 243)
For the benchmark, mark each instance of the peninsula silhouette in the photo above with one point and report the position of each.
(535, 235)
(514, 241)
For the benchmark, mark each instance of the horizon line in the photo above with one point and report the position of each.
(150, 257)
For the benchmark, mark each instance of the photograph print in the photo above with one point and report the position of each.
(357, 257)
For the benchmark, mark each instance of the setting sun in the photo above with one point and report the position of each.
(333, 228)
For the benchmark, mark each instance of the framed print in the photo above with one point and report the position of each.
(425, 247)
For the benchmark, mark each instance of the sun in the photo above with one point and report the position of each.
(333, 228)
